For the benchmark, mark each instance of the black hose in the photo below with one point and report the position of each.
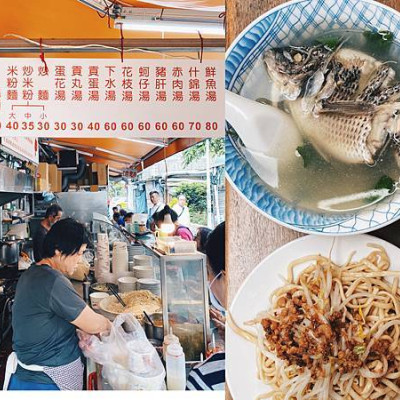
(71, 176)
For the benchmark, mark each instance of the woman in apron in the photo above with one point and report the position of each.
(46, 312)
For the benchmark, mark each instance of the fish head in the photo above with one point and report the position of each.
(292, 67)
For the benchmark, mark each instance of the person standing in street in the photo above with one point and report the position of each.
(157, 206)
(182, 210)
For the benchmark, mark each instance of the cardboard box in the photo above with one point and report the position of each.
(102, 174)
(43, 171)
(55, 178)
(59, 178)
(42, 185)
(42, 178)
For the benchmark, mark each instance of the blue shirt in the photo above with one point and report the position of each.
(45, 304)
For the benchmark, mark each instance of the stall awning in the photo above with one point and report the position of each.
(123, 153)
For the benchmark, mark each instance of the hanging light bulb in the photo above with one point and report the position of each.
(167, 226)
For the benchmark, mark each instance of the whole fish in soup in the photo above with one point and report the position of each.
(344, 101)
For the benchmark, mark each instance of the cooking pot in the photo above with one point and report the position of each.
(156, 331)
(9, 251)
(20, 231)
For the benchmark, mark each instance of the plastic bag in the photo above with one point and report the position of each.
(129, 361)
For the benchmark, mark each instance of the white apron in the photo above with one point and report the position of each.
(66, 377)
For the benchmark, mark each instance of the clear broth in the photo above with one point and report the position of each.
(306, 187)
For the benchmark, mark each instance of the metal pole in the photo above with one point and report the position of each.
(131, 206)
(186, 45)
(209, 216)
(216, 200)
(1, 222)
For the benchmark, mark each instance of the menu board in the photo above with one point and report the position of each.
(108, 98)
(26, 147)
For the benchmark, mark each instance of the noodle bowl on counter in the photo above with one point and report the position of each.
(332, 332)
(136, 302)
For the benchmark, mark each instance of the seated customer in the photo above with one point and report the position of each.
(121, 220)
(167, 221)
(201, 238)
(128, 218)
(116, 218)
(210, 375)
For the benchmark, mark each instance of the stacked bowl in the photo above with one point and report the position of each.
(120, 259)
(153, 285)
(102, 266)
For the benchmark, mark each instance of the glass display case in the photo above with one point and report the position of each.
(184, 293)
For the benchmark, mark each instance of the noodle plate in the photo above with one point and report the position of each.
(332, 331)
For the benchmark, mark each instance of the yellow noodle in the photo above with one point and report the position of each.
(368, 301)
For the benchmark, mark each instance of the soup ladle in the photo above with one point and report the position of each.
(269, 135)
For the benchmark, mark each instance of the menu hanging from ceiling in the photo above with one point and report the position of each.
(110, 98)
(25, 147)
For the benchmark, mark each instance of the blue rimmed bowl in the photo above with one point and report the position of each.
(281, 26)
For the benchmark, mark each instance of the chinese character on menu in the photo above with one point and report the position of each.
(144, 95)
(127, 72)
(12, 71)
(60, 95)
(144, 72)
(77, 95)
(177, 95)
(110, 95)
(94, 95)
(76, 70)
(161, 95)
(27, 95)
(12, 95)
(127, 95)
(43, 95)
(27, 70)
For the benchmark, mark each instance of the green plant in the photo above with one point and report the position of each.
(194, 153)
(199, 218)
(117, 190)
(196, 195)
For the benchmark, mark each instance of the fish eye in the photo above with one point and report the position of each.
(288, 56)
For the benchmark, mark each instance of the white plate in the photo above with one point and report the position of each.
(253, 296)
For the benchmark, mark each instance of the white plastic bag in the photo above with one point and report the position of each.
(129, 361)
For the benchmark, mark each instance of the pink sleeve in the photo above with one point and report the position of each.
(185, 233)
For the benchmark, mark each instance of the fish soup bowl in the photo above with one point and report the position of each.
(281, 27)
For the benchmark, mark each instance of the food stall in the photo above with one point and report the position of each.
(17, 181)
(175, 284)
(165, 277)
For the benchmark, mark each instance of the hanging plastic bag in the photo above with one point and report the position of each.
(129, 361)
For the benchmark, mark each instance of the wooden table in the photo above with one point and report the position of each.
(252, 236)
